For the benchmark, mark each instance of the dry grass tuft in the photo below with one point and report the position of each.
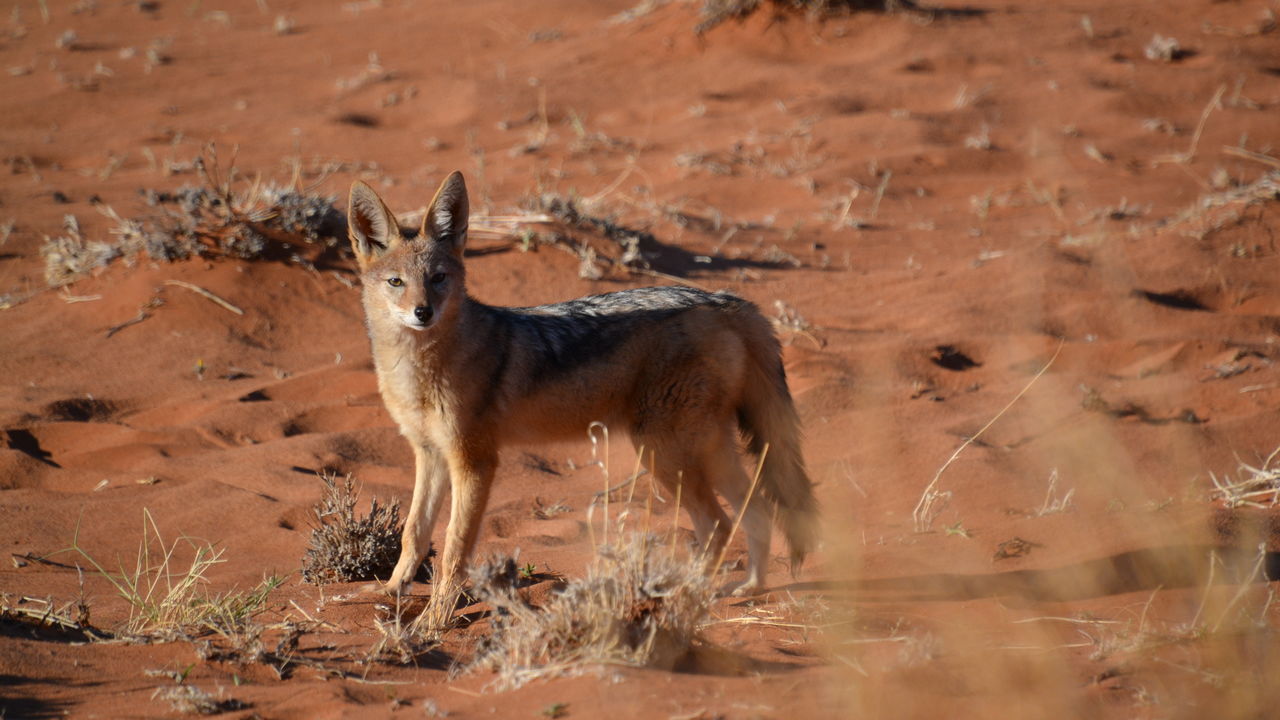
(1214, 211)
(69, 256)
(1257, 487)
(1163, 49)
(397, 642)
(168, 603)
(639, 604)
(345, 547)
(408, 643)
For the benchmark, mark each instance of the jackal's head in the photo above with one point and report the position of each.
(413, 283)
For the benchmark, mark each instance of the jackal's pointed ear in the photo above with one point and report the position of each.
(447, 216)
(370, 224)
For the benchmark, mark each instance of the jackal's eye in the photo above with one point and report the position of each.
(395, 282)
(438, 278)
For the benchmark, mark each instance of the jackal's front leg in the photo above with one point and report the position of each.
(471, 478)
(431, 477)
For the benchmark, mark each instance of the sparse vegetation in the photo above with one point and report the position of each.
(402, 643)
(43, 613)
(545, 511)
(70, 256)
(630, 248)
(555, 710)
(789, 320)
(933, 501)
(169, 603)
(1163, 49)
(1072, 177)
(191, 700)
(1253, 486)
(1053, 502)
(213, 219)
(344, 546)
(715, 12)
(639, 604)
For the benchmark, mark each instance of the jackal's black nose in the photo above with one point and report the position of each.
(422, 312)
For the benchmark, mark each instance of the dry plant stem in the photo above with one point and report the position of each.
(675, 519)
(70, 299)
(630, 482)
(1250, 155)
(648, 505)
(438, 615)
(920, 514)
(884, 185)
(604, 527)
(494, 227)
(1142, 619)
(142, 315)
(604, 467)
(1266, 607)
(635, 476)
(307, 615)
(1204, 119)
(49, 615)
(1050, 199)
(847, 205)
(205, 293)
(751, 492)
(673, 278)
(1244, 586)
(1204, 600)
(1078, 621)
(1189, 155)
(626, 172)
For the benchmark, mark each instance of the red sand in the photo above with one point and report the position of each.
(999, 183)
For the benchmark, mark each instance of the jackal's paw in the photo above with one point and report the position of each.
(394, 586)
(390, 588)
(401, 578)
(746, 588)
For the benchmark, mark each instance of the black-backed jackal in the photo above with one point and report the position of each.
(681, 370)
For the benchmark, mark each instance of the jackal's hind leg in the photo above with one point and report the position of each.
(679, 471)
(724, 468)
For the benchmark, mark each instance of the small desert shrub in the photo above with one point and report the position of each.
(601, 244)
(217, 221)
(191, 700)
(640, 604)
(345, 547)
(212, 219)
(715, 12)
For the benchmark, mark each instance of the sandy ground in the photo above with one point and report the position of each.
(936, 206)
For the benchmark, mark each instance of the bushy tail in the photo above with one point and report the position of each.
(768, 421)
